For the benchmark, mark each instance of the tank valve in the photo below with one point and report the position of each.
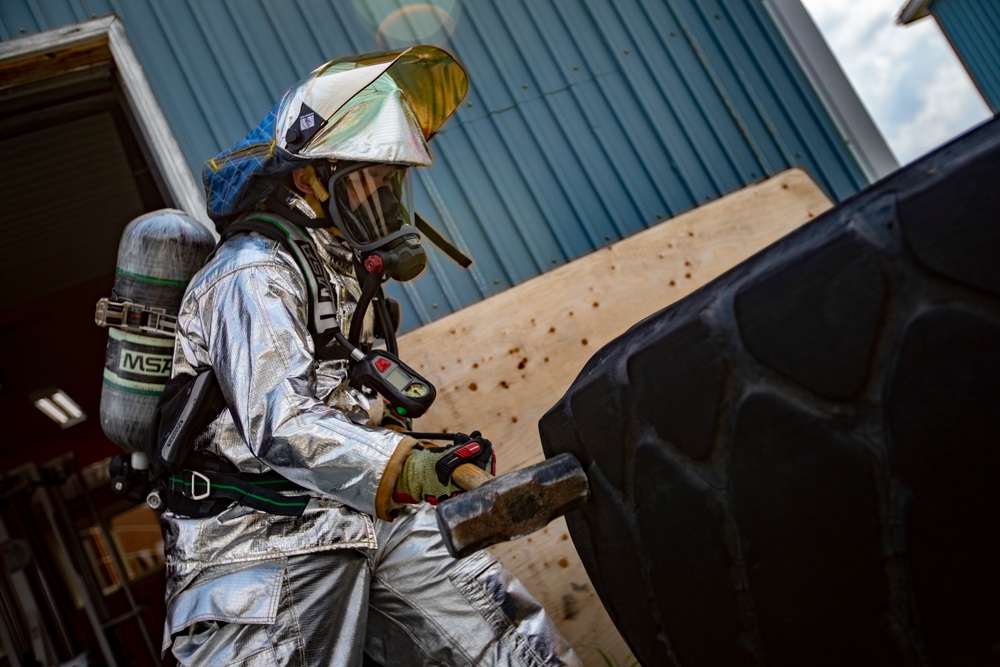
(156, 501)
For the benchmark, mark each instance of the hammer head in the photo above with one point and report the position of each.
(512, 505)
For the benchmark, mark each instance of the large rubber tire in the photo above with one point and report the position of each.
(799, 464)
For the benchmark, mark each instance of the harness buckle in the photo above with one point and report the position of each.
(195, 475)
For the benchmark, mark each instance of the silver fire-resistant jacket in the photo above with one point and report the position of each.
(244, 315)
(253, 588)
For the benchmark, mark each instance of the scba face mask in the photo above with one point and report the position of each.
(370, 205)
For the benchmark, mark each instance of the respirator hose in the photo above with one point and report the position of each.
(369, 289)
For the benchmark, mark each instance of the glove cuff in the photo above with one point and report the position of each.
(384, 505)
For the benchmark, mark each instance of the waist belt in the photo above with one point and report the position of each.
(201, 494)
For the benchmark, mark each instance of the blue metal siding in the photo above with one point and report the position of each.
(973, 27)
(587, 120)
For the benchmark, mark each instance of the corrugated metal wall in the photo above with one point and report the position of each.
(973, 27)
(587, 120)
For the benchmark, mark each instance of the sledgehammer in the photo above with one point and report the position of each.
(497, 509)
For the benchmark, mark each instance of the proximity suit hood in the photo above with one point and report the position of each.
(379, 108)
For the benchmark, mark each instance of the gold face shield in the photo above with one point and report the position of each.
(377, 107)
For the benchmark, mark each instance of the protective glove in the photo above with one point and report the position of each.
(426, 473)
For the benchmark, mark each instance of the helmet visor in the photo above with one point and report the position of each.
(372, 202)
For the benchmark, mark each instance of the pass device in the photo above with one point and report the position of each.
(408, 394)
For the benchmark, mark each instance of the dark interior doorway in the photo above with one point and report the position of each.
(87, 578)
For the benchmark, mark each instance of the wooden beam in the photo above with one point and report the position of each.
(53, 63)
(65, 37)
(500, 364)
(52, 52)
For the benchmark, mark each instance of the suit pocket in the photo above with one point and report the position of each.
(224, 617)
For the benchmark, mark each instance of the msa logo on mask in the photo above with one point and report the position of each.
(145, 363)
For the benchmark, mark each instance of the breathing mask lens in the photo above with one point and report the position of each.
(371, 208)
(371, 202)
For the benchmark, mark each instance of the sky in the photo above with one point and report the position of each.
(908, 77)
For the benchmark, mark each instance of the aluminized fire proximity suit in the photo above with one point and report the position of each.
(248, 587)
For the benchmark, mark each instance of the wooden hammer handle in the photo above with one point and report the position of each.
(470, 476)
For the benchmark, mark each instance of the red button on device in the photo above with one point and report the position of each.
(382, 364)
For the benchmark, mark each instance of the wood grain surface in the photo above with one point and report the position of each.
(501, 363)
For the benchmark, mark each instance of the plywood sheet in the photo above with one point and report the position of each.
(500, 364)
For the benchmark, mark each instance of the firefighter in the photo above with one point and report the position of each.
(344, 557)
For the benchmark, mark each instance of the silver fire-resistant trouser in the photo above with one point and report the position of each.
(406, 603)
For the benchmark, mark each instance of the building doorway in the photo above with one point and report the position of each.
(86, 150)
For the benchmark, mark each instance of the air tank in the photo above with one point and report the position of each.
(158, 254)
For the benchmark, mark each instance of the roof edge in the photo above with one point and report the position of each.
(914, 10)
(838, 97)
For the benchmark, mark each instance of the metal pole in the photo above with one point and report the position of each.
(77, 581)
(8, 607)
(115, 557)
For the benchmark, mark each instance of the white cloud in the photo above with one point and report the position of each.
(908, 77)
(942, 114)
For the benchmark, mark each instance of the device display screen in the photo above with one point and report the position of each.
(398, 379)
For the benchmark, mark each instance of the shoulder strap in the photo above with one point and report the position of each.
(322, 308)
(195, 486)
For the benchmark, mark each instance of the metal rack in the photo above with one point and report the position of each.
(33, 598)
